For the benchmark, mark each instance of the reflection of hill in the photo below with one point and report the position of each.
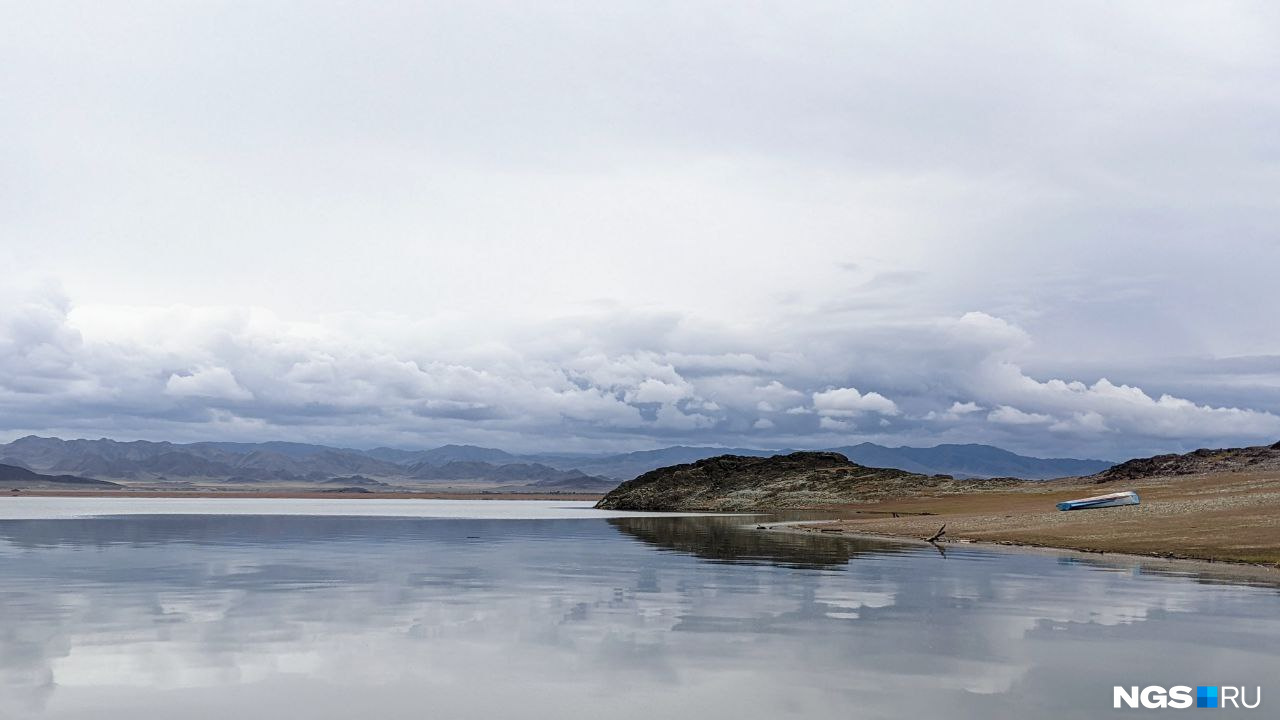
(734, 539)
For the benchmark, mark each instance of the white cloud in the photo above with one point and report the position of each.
(215, 383)
(848, 402)
(610, 382)
(650, 390)
(832, 424)
(1013, 416)
(1125, 408)
(955, 412)
(670, 418)
(1083, 422)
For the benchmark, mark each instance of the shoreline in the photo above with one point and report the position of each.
(1230, 519)
(1227, 569)
(302, 494)
(1221, 518)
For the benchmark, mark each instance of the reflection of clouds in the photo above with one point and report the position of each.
(55, 508)
(1103, 596)
(844, 602)
(412, 615)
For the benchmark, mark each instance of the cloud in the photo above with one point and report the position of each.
(214, 383)
(615, 381)
(1013, 416)
(699, 242)
(834, 425)
(955, 412)
(1084, 422)
(1124, 408)
(848, 402)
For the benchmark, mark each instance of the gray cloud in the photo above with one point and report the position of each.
(186, 373)
(625, 225)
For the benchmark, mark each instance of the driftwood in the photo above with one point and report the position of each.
(942, 531)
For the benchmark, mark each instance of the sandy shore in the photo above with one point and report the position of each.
(290, 494)
(1232, 517)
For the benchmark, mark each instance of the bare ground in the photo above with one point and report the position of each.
(1225, 516)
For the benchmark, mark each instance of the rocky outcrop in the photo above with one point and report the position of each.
(1199, 462)
(797, 480)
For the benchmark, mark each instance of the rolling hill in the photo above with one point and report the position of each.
(14, 477)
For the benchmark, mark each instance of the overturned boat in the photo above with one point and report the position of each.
(1115, 499)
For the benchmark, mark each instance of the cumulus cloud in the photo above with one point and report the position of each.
(848, 402)
(956, 411)
(831, 424)
(214, 383)
(1104, 405)
(191, 373)
(1088, 422)
(1013, 416)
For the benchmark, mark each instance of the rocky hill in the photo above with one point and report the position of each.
(1199, 462)
(800, 479)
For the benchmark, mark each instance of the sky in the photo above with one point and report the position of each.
(613, 226)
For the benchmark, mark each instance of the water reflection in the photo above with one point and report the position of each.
(331, 617)
(737, 540)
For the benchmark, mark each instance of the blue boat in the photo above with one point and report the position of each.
(1116, 499)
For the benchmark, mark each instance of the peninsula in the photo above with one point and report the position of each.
(1207, 505)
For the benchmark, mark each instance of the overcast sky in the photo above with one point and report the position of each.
(609, 226)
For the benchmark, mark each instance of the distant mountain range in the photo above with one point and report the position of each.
(970, 461)
(279, 463)
(961, 461)
(160, 463)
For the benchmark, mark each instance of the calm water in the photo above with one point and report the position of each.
(547, 610)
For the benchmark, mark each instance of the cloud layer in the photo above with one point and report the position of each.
(627, 224)
(608, 380)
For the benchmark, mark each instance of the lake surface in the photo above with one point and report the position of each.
(421, 609)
